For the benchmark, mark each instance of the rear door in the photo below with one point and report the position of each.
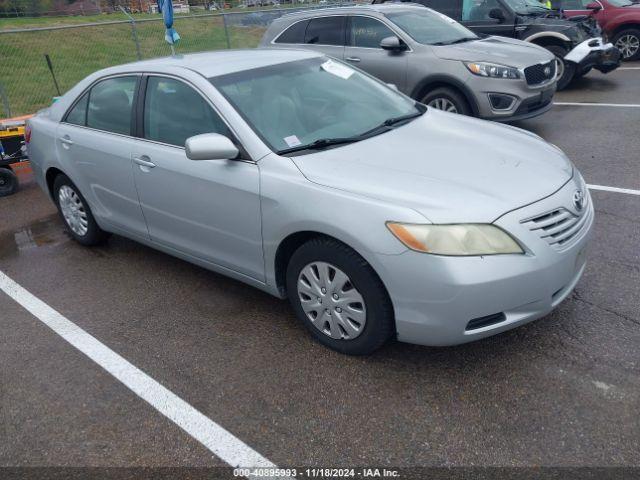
(209, 209)
(326, 35)
(94, 142)
(363, 50)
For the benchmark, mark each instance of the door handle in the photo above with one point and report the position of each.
(352, 59)
(66, 140)
(143, 161)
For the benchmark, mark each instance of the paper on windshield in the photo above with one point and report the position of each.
(292, 141)
(337, 69)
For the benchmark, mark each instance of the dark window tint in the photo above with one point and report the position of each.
(173, 112)
(451, 8)
(110, 105)
(78, 114)
(293, 34)
(367, 32)
(325, 31)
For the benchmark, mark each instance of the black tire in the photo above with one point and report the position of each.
(582, 73)
(8, 182)
(94, 234)
(634, 34)
(379, 325)
(450, 94)
(569, 67)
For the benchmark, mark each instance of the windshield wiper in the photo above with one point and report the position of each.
(385, 126)
(452, 42)
(320, 144)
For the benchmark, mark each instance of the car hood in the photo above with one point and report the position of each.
(448, 167)
(505, 51)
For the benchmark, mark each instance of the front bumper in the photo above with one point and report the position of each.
(594, 53)
(435, 297)
(528, 101)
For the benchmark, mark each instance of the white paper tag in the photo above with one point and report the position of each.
(292, 141)
(337, 69)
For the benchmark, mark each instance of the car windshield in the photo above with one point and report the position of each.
(527, 7)
(431, 28)
(294, 104)
(621, 3)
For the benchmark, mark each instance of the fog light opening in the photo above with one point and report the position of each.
(501, 101)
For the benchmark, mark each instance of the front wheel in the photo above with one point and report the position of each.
(565, 70)
(8, 182)
(628, 42)
(448, 100)
(75, 213)
(339, 297)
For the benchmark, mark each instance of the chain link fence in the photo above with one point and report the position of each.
(75, 51)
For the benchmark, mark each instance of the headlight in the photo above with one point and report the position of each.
(458, 240)
(492, 70)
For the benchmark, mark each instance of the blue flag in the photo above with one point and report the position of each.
(166, 8)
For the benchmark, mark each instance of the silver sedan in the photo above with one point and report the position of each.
(376, 216)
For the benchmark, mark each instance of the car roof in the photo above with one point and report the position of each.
(377, 8)
(213, 64)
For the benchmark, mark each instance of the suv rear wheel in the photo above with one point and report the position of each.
(448, 100)
(628, 42)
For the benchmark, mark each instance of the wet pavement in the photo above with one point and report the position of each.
(562, 391)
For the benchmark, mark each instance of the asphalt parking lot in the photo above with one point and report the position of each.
(563, 391)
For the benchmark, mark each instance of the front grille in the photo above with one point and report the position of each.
(541, 73)
(558, 227)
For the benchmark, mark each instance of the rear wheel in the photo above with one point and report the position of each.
(8, 182)
(75, 213)
(339, 297)
(448, 100)
(565, 70)
(628, 42)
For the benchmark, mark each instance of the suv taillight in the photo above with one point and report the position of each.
(27, 133)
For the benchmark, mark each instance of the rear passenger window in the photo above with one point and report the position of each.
(78, 114)
(325, 31)
(367, 32)
(173, 112)
(293, 34)
(110, 103)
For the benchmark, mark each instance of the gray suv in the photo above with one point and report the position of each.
(429, 57)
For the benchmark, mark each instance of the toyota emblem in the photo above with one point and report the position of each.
(578, 200)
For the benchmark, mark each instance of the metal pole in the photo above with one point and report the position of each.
(134, 32)
(5, 100)
(226, 31)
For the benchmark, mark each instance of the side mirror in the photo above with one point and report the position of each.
(210, 146)
(497, 14)
(392, 43)
(594, 6)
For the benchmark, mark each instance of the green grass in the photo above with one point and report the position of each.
(77, 52)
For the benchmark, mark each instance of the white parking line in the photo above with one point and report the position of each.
(614, 189)
(591, 104)
(215, 438)
(628, 68)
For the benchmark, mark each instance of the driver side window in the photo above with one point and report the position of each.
(478, 10)
(173, 112)
(367, 32)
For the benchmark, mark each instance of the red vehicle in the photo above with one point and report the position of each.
(619, 20)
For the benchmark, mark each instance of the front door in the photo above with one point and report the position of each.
(363, 51)
(475, 16)
(96, 139)
(209, 209)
